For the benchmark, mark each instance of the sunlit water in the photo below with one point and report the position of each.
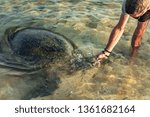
(88, 24)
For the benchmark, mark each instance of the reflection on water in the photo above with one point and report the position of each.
(88, 24)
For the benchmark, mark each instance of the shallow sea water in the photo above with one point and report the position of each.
(88, 24)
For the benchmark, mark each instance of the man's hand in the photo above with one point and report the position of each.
(101, 57)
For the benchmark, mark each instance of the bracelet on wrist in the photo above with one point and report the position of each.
(105, 54)
(107, 51)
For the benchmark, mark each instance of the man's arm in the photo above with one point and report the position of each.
(117, 32)
(114, 37)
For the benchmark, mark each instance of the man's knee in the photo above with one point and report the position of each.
(136, 46)
(136, 43)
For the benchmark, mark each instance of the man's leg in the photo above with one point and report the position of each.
(137, 37)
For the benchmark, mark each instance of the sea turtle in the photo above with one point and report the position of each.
(32, 46)
(29, 57)
(26, 53)
(36, 43)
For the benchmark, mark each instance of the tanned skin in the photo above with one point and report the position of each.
(137, 37)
